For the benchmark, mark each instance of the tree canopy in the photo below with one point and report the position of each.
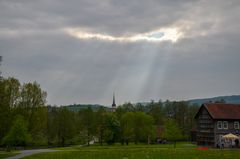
(26, 120)
(172, 131)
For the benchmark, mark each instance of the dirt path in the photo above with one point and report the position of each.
(24, 153)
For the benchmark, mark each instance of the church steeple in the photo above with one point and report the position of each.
(113, 104)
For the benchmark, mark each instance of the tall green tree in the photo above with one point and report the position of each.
(32, 96)
(39, 130)
(120, 111)
(137, 126)
(101, 124)
(66, 126)
(88, 119)
(128, 107)
(144, 128)
(112, 128)
(172, 131)
(52, 125)
(127, 123)
(18, 134)
(140, 107)
(155, 109)
(190, 121)
(183, 113)
(31, 106)
(9, 97)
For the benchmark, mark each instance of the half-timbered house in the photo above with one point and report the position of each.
(215, 120)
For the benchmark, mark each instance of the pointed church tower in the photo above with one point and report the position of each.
(113, 104)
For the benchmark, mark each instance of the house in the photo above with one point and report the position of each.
(215, 120)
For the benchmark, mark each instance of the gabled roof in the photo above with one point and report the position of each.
(222, 110)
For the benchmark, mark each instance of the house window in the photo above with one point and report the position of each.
(219, 124)
(225, 125)
(236, 125)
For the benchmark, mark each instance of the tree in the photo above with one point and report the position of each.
(128, 107)
(140, 107)
(52, 124)
(222, 100)
(9, 97)
(112, 128)
(39, 130)
(127, 124)
(32, 96)
(137, 126)
(190, 121)
(120, 111)
(12, 89)
(31, 107)
(100, 124)
(18, 134)
(88, 120)
(66, 125)
(28, 101)
(144, 128)
(156, 111)
(183, 113)
(172, 132)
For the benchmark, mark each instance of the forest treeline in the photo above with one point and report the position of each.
(26, 120)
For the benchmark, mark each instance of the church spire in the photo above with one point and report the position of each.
(113, 104)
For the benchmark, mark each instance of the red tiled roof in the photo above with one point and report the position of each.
(223, 111)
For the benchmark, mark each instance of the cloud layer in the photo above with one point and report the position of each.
(43, 41)
(168, 34)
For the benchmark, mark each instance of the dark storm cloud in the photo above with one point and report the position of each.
(204, 62)
(106, 16)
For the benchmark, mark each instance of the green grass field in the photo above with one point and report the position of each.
(183, 151)
(7, 154)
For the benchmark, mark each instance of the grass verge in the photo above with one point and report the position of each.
(4, 154)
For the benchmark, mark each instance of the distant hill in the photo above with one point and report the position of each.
(234, 99)
(77, 107)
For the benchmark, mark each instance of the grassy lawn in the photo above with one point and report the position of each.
(4, 154)
(183, 151)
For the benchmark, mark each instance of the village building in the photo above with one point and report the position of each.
(215, 121)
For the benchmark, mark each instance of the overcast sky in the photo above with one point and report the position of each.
(81, 51)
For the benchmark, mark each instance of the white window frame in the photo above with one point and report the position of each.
(236, 125)
(219, 125)
(225, 125)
